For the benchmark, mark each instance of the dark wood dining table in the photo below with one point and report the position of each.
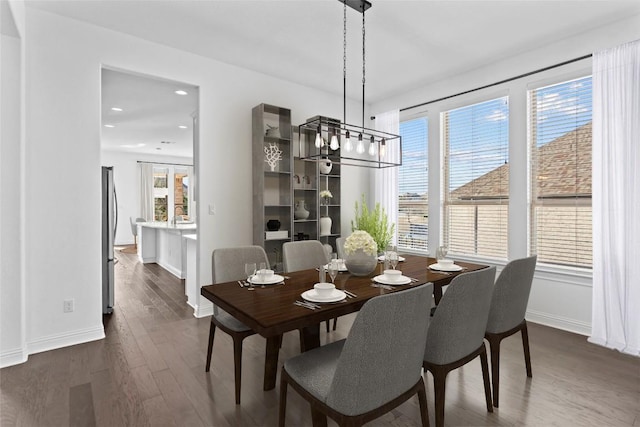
(270, 311)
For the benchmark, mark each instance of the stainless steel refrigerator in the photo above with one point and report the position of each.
(109, 226)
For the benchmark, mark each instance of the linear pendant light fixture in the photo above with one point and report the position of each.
(323, 138)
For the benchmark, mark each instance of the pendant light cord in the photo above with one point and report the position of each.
(363, 66)
(344, 65)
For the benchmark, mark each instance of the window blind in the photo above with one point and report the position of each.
(560, 146)
(476, 179)
(413, 185)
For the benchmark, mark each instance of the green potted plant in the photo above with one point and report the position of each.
(375, 222)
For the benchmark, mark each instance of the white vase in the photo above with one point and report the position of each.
(300, 212)
(325, 166)
(325, 225)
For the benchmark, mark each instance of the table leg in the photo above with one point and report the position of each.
(309, 337)
(271, 361)
(437, 293)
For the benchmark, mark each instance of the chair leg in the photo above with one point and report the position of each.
(494, 349)
(525, 346)
(283, 399)
(485, 376)
(422, 399)
(237, 366)
(335, 322)
(212, 332)
(326, 322)
(439, 381)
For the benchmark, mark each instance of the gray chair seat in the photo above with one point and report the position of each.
(230, 322)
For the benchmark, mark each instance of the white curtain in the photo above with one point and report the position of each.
(616, 198)
(146, 191)
(386, 180)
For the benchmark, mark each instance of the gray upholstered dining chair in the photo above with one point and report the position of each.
(506, 316)
(227, 264)
(456, 332)
(303, 255)
(375, 369)
(340, 247)
(134, 229)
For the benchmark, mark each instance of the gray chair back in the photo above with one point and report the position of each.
(227, 264)
(134, 224)
(382, 356)
(340, 247)
(511, 295)
(458, 324)
(303, 255)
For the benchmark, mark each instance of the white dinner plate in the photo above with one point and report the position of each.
(402, 280)
(335, 296)
(270, 281)
(381, 258)
(439, 267)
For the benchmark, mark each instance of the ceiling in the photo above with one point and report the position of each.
(142, 114)
(409, 44)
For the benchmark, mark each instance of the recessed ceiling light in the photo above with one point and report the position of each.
(132, 145)
(180, 92)
(116, 109)
(109, 126)
(182, 127)
(167, 142)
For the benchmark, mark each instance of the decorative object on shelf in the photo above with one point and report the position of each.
(374, 222)
(273, 225)
(326, 195)
(301, 212)
(296, 182)
(273, 131)
(325, 166)
(328, 249)
(325, 225)
(272, 155)
(315, 149)
(361, 253)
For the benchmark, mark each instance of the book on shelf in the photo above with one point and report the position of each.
(280, 234)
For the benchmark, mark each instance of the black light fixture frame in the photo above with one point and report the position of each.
(327, 127)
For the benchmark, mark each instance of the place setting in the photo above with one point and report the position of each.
(391, 278)
(260, 277)
(444, 265)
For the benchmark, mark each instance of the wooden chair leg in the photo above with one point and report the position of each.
(485, 376)
(424, 409)
(212, 332)
(282, 408)
(326, 322)
(335, 323)
(494, 349)
(439, 381)
(237, 366)
(525, 346)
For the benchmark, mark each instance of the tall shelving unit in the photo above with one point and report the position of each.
(272, 189)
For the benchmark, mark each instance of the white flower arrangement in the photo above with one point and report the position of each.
(326, 194)
(360, 240)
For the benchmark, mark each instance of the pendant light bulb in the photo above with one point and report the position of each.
(383, 147)
(360, 146)
(319, 141)
(347, 145)
(372, 147)
(334, 143)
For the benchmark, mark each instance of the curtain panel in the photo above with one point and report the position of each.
(146, 191)
(616, 198)
(386, 179)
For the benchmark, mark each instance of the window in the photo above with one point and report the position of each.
(560, 147)
(476, 179)
(181, 194)
(160, 195)
(413, 183)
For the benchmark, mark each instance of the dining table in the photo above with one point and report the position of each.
(272, 310)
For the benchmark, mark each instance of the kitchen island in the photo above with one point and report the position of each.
(163, 243)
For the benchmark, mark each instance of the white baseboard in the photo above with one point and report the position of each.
(64, 340)
(171, 269)
(13, 357)
(558, 322)
(203, 310)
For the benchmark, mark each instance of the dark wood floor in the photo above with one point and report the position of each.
(150, 371)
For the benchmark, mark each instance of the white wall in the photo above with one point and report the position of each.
(559, 297)
(62, 241)
(127, 179)
(11, 298)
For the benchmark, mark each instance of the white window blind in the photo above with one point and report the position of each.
(560, 144)
(413, 185)
(476, 179)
